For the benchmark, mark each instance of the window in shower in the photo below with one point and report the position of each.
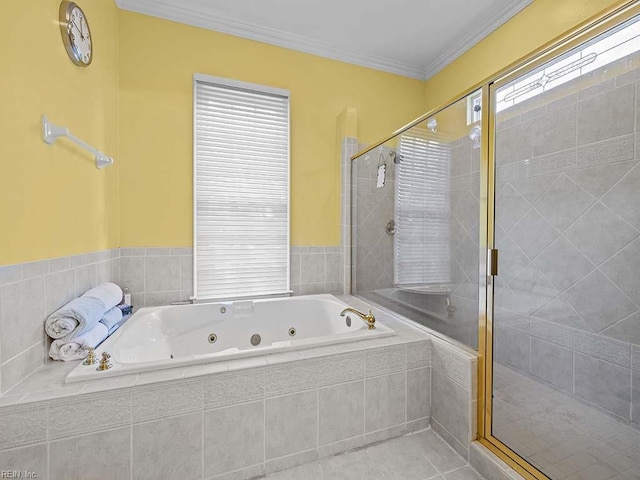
(241, 189)
(421, 243)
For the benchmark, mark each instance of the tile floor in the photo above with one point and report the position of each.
(563, 437)
(418, 456)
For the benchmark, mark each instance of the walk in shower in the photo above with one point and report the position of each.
(537, 174)
(415, 204)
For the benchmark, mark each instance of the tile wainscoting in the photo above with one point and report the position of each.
(29, 292)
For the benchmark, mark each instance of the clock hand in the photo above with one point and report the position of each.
(79, 30)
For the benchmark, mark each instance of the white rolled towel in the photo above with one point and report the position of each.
(83, 313)
(112, 318)
(74, 349)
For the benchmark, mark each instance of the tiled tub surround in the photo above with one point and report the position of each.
(568, 229)
(29, 292)
(242, 418)
(316, 270)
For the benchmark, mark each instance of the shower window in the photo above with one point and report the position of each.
(421, 243)
(241, 189)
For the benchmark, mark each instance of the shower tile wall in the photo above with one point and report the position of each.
(372, 268)
(464, 172)
(567, 297)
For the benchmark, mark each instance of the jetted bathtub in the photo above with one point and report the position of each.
(179, 335)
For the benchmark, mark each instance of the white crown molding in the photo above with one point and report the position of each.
(268, 35)
(488, 24)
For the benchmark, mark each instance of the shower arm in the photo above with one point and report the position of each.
(51, 132)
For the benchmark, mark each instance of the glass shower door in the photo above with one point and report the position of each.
(566, 302)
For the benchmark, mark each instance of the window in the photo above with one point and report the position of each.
(604, 50)
(474, 107)
(241, 189)
(421, 241)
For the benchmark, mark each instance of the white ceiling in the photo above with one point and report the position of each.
(414, 38)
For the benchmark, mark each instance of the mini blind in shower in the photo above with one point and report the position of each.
(421, 241)
(241, 189)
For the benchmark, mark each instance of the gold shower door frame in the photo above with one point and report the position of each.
(602, 22)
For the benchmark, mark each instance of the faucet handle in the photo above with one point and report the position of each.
(104, 362)
(91, 356)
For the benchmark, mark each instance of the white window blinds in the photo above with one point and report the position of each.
(421, 241)
(241, 189)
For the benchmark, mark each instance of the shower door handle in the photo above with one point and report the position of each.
(492, 261)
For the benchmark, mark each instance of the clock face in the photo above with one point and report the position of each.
(76, 35)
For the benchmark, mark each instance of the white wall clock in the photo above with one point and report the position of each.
(76, 34)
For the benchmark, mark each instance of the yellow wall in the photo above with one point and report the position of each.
(157, 61)
(53, 201)
(539, 23)
(134, 102)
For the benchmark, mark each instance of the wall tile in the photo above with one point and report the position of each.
(450, 406)
(598, 301)
(291, 424)
(229, 388)
(513, 348)
(10, 274)
(132, 273)
(623, 198)
(385, 401)
(86, 278)
(164, 399)
(291, 378)
(19, 367)
(552, 332)
(419, 354)
(635, 357)
(622, 269)
(233, 438)
(381, 361)
(312, 268)
(60, 289)
(553, 133)
(22, 315)
(23, 425)
(155, 299)
(162, 273)
(600, 233)
(168, 449)
(608, 115)
(341, 368)
(341, 412)
(552, 363)
(598, 180)
(89, 413)
(563, 263)
(418, 393)
(603, 383)
(533, 233)
(31, 459)
(597, 346)
(112, 459)
(572, 199)
(451, 363)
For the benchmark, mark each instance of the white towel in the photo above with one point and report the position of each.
(111, 318)
(67, 350)
(83, 313)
